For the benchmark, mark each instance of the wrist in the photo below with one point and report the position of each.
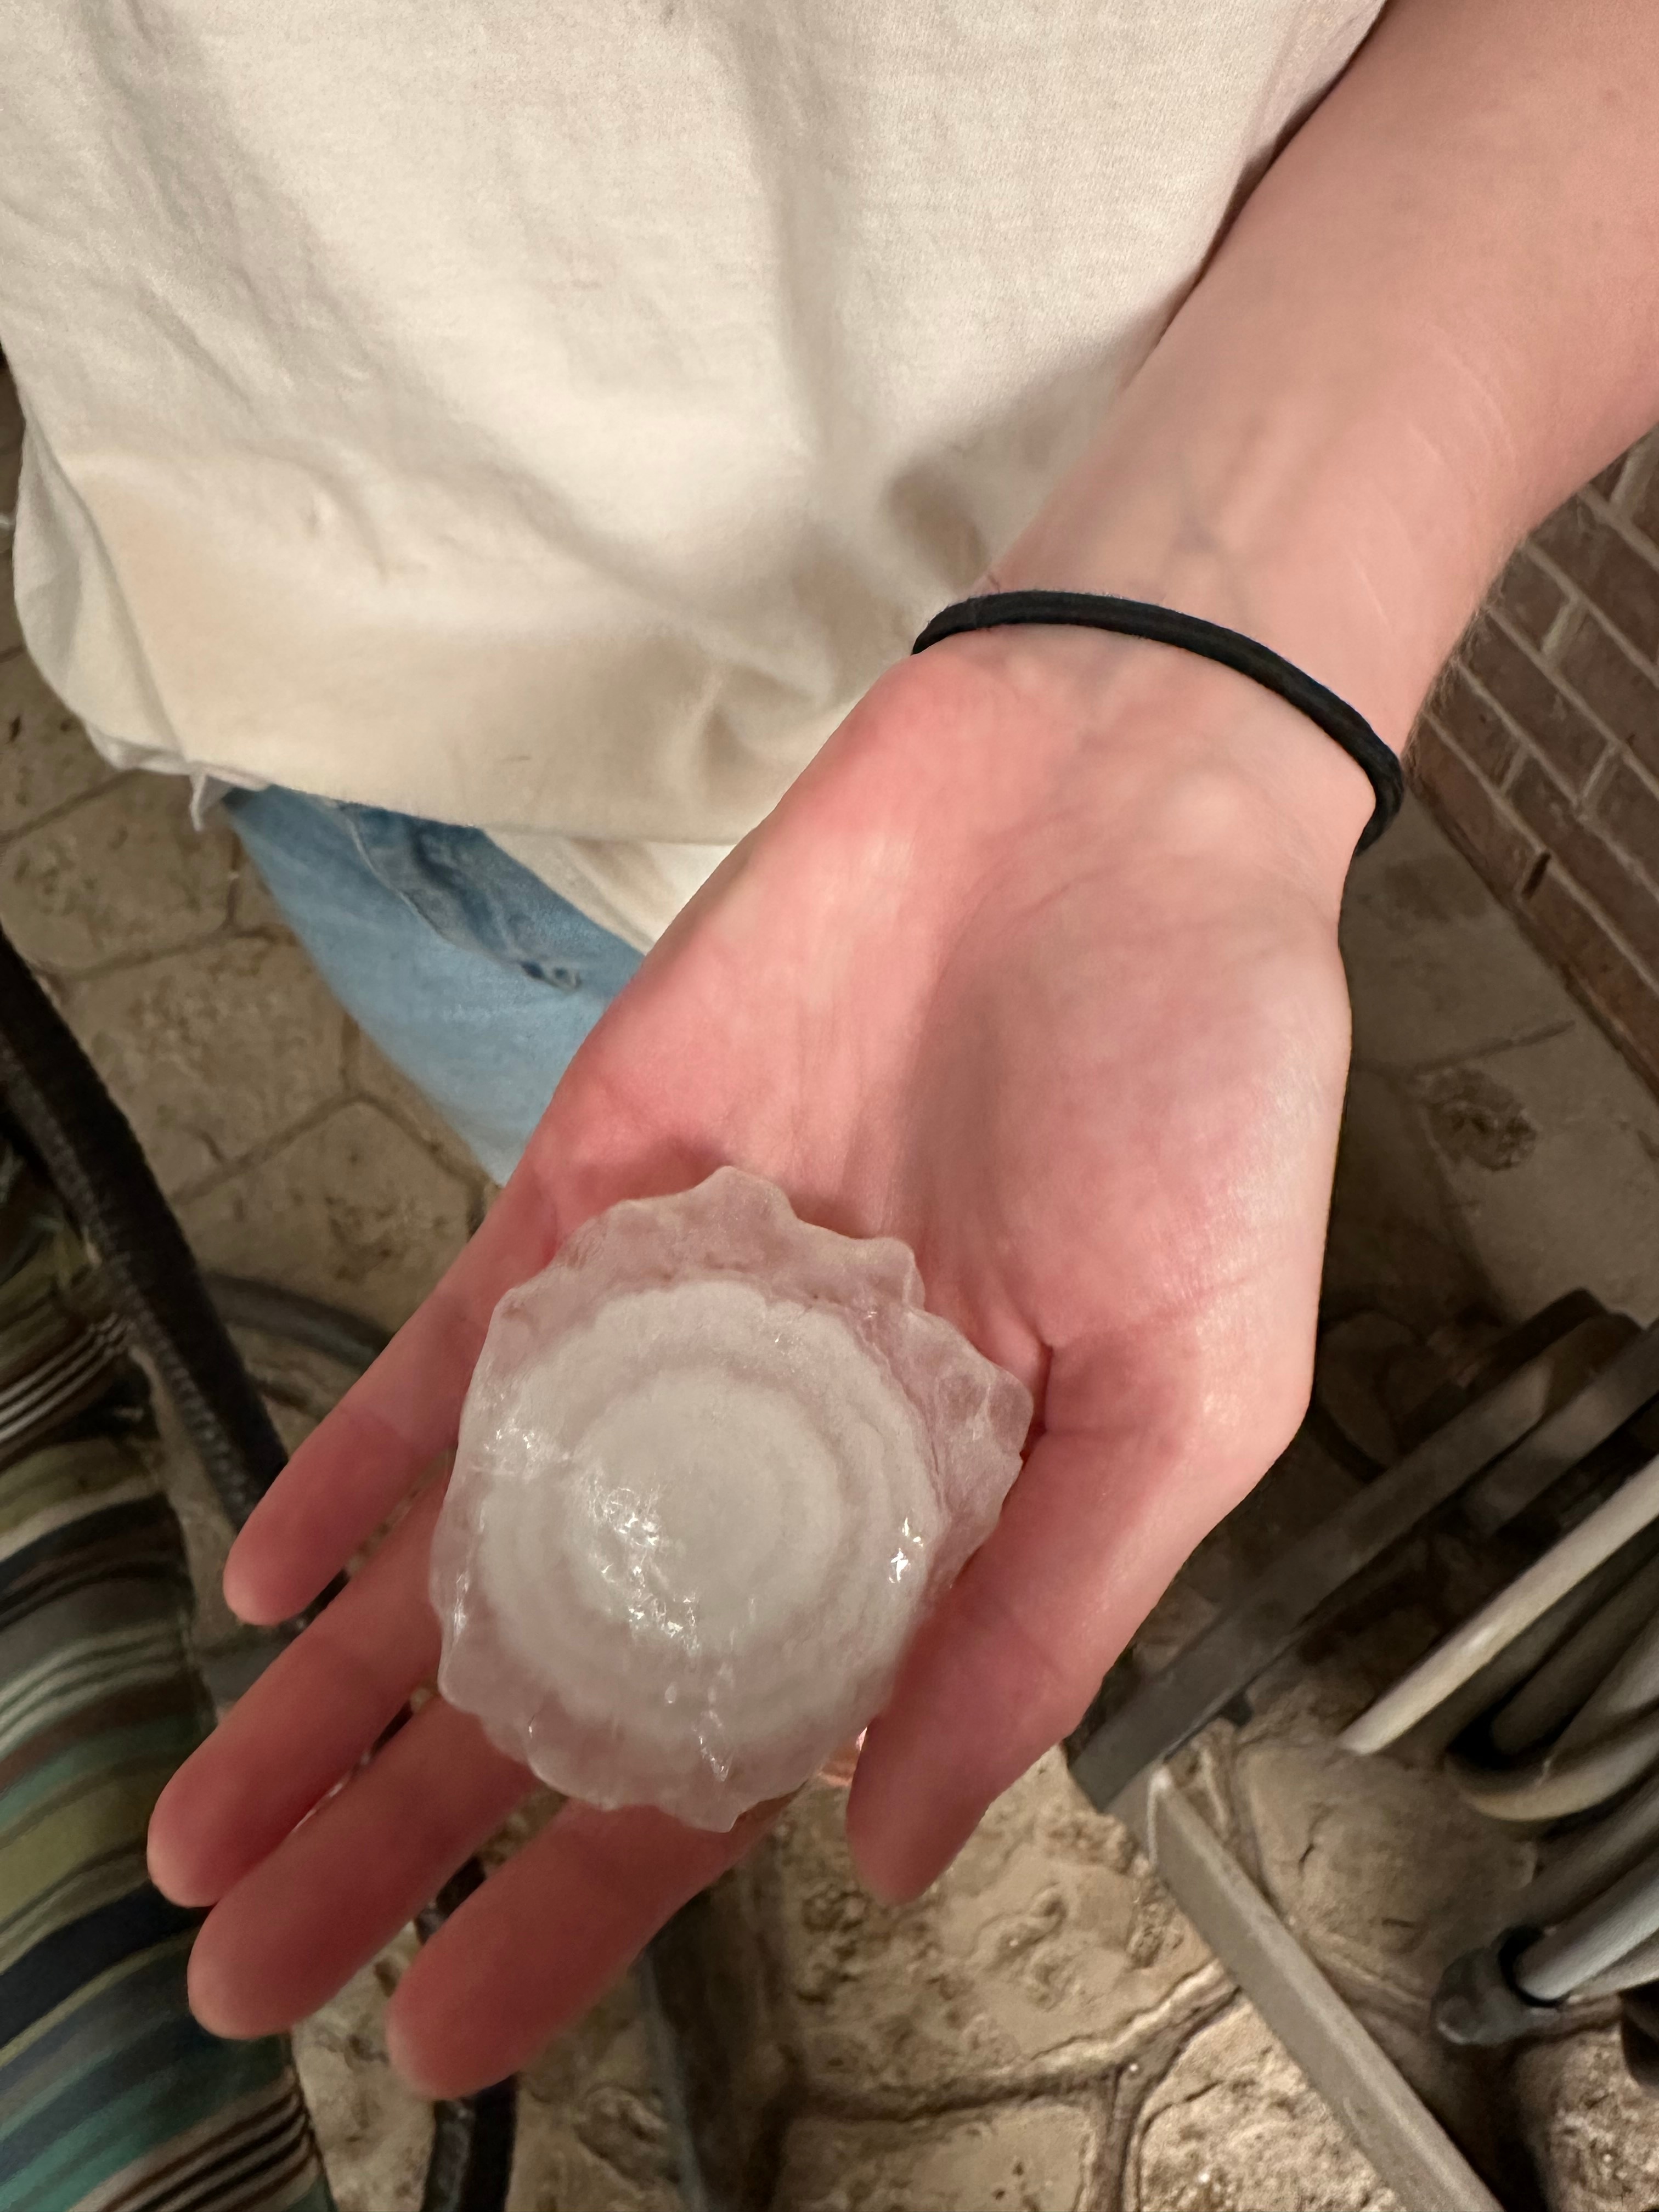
(1279, 525)
(1314, 452)
(1272, 531)
(1156, 749)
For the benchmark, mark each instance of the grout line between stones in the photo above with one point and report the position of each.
(121, 964)
(468, 1174)
(50, 816)
(1102, 2170)
(246, 1163)
(446, 1150)
(1133, 2086)
(205, 1186)
(1075, 2068)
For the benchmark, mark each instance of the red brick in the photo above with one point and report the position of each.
(1528, 596)
(1624, 998)
(1565, 736)
(1474, 727)
(1608, 570)
(1615, 686)
(1577, 850)
(1476, 818)
(1628, 809)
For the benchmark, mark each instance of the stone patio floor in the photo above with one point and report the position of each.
(1043, 2033)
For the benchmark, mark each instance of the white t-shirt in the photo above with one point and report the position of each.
(554, 415)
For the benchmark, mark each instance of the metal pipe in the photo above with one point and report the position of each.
(1508, 1669)
(1557, 1689)
(1523, 1411)
(1629, 1688)
(1590, 1861)
(1559, 1784)
(1630, 1509)
(1590, 1941)
(1632, 1972)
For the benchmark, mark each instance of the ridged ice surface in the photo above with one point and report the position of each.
(714, 1465)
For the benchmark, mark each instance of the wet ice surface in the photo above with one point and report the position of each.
(713, 1465)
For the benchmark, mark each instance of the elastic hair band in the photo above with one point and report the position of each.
(1165, 626)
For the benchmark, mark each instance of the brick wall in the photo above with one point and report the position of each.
(1539, 749)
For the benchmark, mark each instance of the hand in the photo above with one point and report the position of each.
(1035, 968)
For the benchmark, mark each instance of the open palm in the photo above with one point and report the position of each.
(1031, 970)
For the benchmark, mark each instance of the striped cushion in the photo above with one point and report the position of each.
(112, 2098)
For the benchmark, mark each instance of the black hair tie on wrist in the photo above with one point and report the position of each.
(1165, 626)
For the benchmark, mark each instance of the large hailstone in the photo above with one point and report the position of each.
(714, 1465)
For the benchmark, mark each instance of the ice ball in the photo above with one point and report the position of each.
(713, 1465)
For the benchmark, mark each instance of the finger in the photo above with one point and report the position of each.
(545, 1937)
(349, 1474)
(335, 1891)
(353, 1469)
(305, 1721)
(1093, 1532)
(355, 1466)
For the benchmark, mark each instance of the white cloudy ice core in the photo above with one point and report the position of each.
(713, 1465)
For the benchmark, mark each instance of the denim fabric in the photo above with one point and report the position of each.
(470, 974)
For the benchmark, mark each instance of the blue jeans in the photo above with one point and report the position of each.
(467, 971)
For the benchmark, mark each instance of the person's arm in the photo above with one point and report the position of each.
(1034, 967)
(1435, 317)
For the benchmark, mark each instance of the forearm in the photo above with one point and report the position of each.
(1437, 314)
